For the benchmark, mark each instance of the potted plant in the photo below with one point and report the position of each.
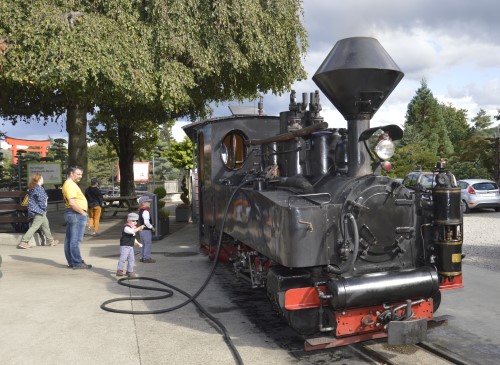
(163, 222)
(183, 211)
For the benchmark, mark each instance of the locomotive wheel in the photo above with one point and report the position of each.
(436, 301)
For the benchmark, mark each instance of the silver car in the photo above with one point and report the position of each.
(479, 193)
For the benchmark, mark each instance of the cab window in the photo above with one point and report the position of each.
(233, 150)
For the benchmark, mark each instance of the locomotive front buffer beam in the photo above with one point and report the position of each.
(368, 307)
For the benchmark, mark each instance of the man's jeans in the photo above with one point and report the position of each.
(75, 228)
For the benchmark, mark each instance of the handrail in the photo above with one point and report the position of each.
(289, 135)
(308, 198)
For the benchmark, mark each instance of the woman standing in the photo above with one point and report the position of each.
(37, 210)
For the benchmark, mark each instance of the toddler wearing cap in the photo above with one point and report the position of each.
(127, 242)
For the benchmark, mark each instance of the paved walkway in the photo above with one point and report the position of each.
(50, 314)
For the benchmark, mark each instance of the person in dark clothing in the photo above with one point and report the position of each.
(95, 201)
(37, 210)
(127, 242)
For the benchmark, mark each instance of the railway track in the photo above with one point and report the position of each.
(379, 352)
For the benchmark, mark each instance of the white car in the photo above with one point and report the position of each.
(479, 193)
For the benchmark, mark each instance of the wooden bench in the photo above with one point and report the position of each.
(11, 210)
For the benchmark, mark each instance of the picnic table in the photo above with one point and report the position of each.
(117, 204)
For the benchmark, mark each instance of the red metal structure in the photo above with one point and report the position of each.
(40, 147)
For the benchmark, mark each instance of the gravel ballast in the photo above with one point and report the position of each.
(481, 244)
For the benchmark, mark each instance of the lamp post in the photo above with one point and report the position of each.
(154, 184)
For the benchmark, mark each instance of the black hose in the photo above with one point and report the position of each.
(170, 293)
(191, 298)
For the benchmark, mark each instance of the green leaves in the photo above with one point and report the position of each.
(143, 63)
(180, 55)
(435, 130)
(180, 154)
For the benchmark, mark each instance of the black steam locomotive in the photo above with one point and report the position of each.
(307, 211)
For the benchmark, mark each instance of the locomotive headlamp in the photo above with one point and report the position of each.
(385, 147)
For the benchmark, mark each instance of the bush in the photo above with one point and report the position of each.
(160, 192)
(185, 192)
(163, 213)
(161, 204)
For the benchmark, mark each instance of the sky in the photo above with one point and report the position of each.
(453, 44)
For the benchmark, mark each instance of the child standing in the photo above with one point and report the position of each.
(95, 202)
(127, 242)
(146, 234)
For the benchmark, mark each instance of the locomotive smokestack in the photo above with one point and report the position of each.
(357, 76)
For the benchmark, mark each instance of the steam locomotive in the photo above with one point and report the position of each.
(345, 253)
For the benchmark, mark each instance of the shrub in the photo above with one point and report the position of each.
(163, 213)
(185, 192)
(160, 192)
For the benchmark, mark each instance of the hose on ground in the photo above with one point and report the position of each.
(191, 298)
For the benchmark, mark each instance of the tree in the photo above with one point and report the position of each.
(141, 62)
(180, 154)
(58, 151)
(475, 159)
(425, 115)
(412, 157)
(456, 123)
(481, 121)
(474, 155)
(102, 163)
(130, 138)
(163, 169)
(62, 58)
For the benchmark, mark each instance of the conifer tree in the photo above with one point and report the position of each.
(425, 115)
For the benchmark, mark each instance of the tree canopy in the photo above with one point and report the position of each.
(425, 115)
(435, 130)
(142, 62)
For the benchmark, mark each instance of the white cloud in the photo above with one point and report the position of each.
(450, 43)
(177, 131)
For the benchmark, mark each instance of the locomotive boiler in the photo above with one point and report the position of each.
(307, 211)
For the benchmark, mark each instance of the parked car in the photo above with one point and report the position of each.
(424, 181)
(419, 180)
(479, 193)
(421, 184)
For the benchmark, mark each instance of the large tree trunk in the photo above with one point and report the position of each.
(76, 126)
(126, 160)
